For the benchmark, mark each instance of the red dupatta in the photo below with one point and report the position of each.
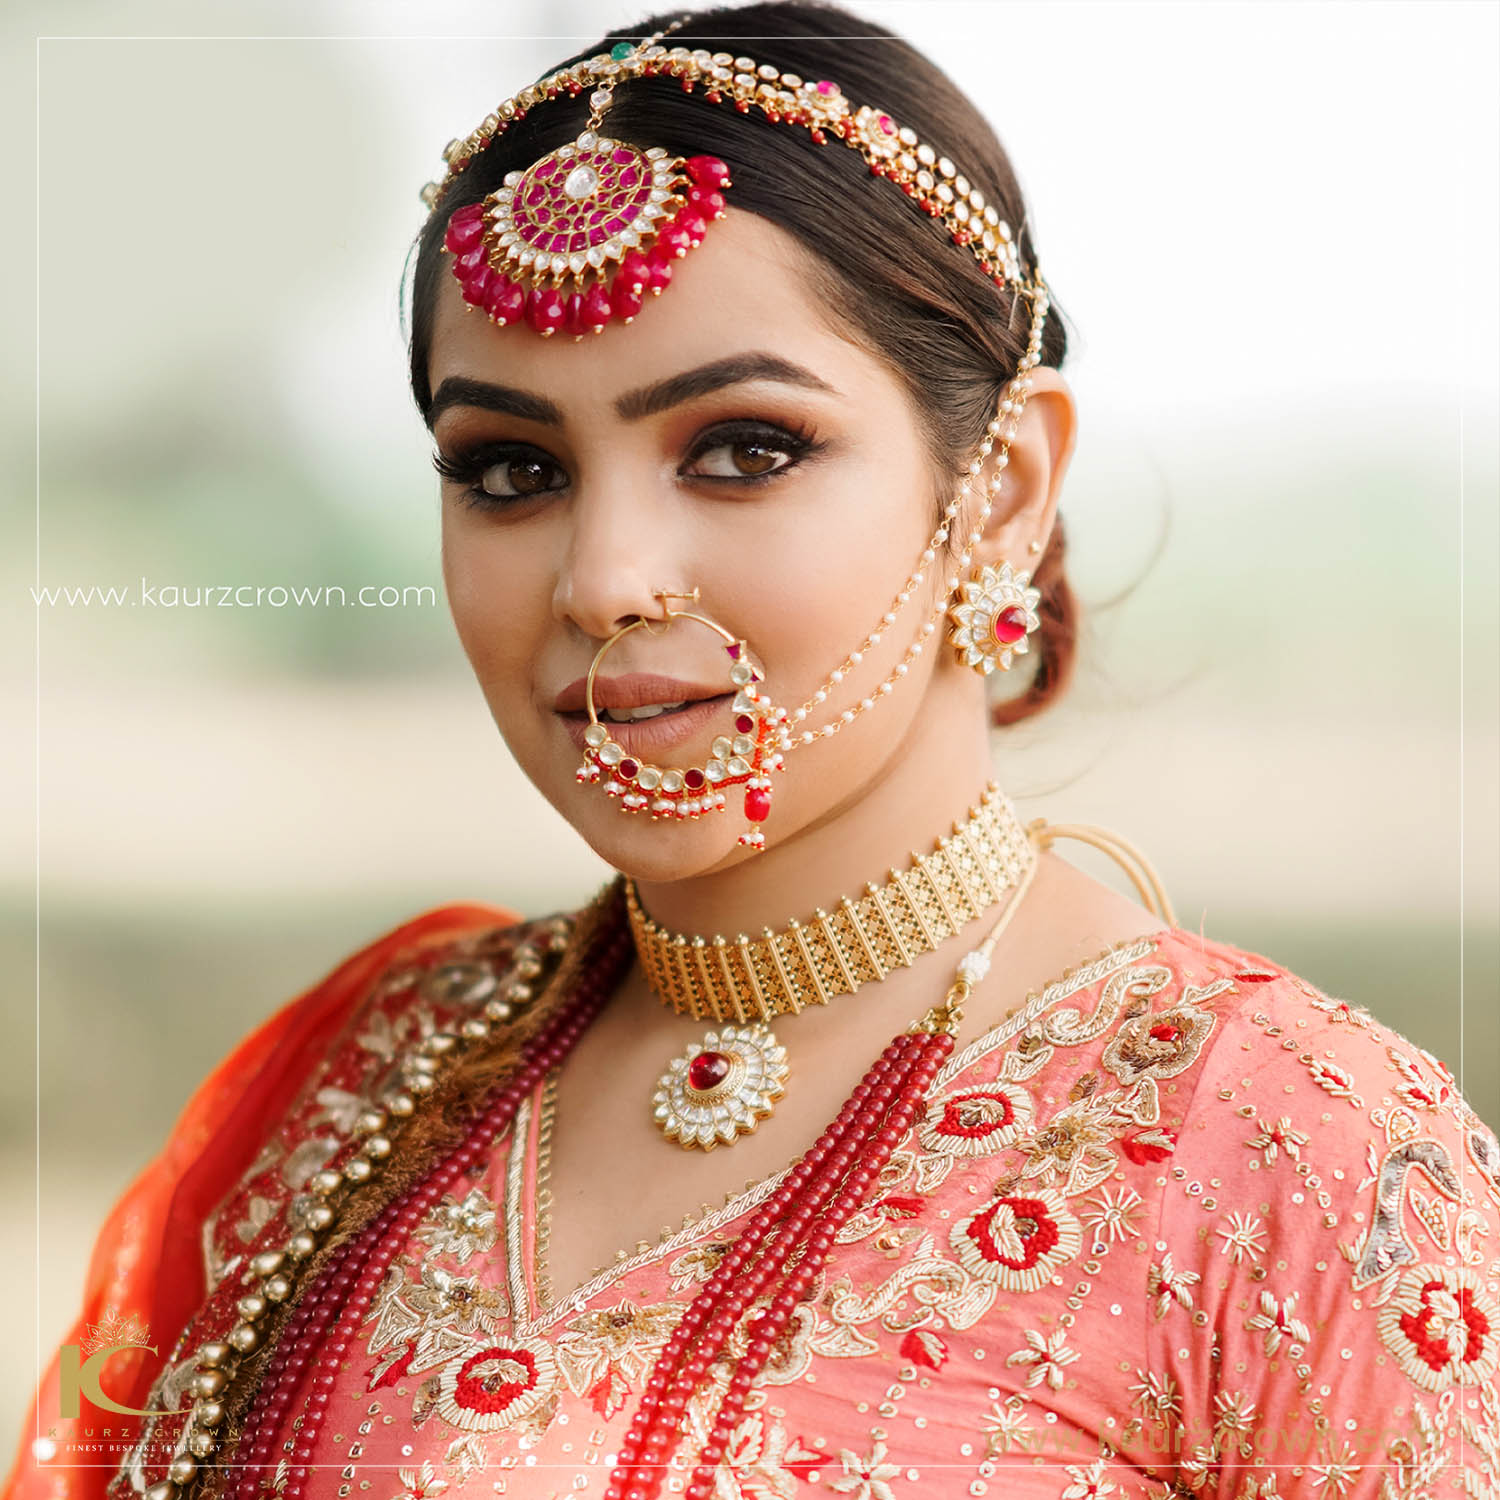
(146, 1264)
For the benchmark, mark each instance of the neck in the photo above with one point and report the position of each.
(930, 780)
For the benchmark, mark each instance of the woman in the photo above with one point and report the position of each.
(1105, 1207)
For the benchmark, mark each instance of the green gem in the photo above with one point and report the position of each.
(620, 51)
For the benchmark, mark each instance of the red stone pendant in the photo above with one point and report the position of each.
(722, 1088)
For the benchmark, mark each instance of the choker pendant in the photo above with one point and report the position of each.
(722, 1088)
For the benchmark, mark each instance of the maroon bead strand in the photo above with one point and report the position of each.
(349, 1283)
(294, 1352)
(710, 1318)
(544, 1053)
(772, 1323)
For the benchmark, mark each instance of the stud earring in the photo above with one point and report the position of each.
(993, 617)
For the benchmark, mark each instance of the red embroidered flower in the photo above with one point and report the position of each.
(976, 1122)
(490, 1390)
(1018, 1241)
(1442, 1327)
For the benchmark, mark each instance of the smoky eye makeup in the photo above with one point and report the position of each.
(742, 453)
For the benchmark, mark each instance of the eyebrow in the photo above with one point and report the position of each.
(646, 401)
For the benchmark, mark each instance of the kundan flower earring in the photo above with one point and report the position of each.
(993, 618)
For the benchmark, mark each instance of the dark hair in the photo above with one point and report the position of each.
(903, 290)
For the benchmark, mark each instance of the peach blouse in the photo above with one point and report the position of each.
(1181, 1225)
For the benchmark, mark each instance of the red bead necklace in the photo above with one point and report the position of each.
(774, 1262)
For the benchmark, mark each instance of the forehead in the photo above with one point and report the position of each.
(749, 285)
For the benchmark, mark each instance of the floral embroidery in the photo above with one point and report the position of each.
(1018, 1241)
(764, 1463)
(1007, 1427)
(462, 1229)
(1161, 1045)
(1276, 1138)
(1047, 1355)
(1416, 1088)
(1076, 1146)
(1088, 1483)
(1277, 1320)
(865, 1478)
(1243, 1238)
(1442, 1326)
(989, 1200)
(1169, 1285)
(977, 1122)
(1111, 1216)
(606, 1353)
(497, 1386)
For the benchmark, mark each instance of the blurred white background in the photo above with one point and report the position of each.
(1273, 230)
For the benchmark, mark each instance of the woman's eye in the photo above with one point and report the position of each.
(515, 477)
(748, 451)
(741, 460)
(504, 475)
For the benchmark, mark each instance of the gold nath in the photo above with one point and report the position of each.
(756, 979)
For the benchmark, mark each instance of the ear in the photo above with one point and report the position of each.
(1025, 508)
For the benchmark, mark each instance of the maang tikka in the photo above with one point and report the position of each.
(582, 234)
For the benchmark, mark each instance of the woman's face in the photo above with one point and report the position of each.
(728, 439)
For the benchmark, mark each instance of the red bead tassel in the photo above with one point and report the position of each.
(312, 1340)
(818, 1192)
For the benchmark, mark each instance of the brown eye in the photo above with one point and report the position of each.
(755, 458)
(521, 476)
(744, 459)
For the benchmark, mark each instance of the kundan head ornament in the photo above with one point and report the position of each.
(576, 239)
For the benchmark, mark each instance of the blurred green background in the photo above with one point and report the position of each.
(1273, 231)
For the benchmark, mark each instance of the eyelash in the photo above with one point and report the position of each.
(469, 467)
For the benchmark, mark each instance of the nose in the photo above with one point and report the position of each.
(620, 550)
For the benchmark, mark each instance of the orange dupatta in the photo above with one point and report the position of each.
(146, 1263)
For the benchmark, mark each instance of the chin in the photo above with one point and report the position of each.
(662, 851)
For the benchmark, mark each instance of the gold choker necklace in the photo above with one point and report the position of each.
(755, 979)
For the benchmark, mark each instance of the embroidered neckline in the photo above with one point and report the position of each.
(534, 1308)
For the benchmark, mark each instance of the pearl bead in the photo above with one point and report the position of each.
(836, 675)
(856, 657)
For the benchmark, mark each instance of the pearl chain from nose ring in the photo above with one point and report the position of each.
(1002, 426)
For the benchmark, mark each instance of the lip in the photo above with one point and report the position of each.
(651, 738)
(632, 691)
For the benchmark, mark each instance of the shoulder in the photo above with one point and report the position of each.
(1328, 1238)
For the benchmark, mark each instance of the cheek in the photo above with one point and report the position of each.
(488, 596)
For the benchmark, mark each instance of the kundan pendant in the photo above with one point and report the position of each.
(721, 1088)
